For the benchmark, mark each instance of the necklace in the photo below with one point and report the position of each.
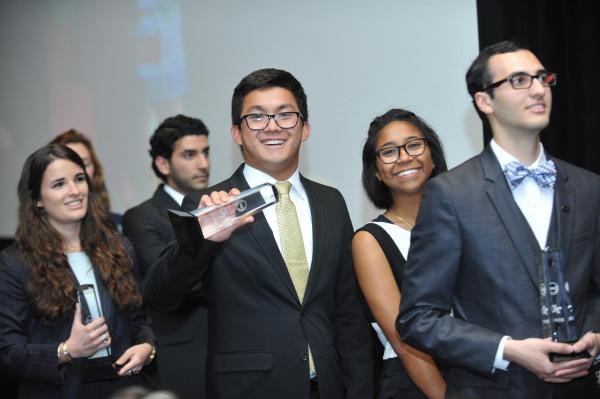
(410, 226)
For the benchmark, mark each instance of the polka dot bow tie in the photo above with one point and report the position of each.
(544, 175)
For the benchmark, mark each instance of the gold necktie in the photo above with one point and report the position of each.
(292, 244)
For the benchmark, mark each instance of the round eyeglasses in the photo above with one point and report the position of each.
(285, 120)
(413, 148)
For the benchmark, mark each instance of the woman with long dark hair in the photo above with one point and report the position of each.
(400, 154)
(82, 145)
(57, 339)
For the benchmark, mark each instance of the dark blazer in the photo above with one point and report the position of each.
(259, 331)
(28, 345)
(473, 252)
(181, 332)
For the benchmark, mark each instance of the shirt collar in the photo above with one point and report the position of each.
(254, 177)
(504, 157)
(176, 195)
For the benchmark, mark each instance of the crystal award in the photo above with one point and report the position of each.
(558, 315)
(216, 218)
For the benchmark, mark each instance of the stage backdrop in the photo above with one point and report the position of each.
(114, 69)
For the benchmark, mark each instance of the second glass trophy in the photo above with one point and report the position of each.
(558, 315)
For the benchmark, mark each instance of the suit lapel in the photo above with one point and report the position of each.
(263, 236)
(512, 219)
(319, 229)
(563, 201)
(104, 299)
(163, 201)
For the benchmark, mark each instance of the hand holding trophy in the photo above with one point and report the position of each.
(216, 218)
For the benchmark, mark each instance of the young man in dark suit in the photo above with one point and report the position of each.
(281, 325)
(480, 234)
(179, 150)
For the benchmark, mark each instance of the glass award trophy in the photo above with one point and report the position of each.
(558, 315)
(216, 218)
(90, 310)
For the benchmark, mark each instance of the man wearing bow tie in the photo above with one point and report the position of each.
(480, 234)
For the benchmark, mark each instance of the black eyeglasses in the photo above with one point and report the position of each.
(412, 147)
(522, 80)
(285, 120)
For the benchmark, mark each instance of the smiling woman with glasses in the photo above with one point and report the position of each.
(401, 153)
(413, 147)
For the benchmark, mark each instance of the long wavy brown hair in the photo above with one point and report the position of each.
(51, 286)
(73, 136)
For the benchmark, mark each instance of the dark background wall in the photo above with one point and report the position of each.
(565, 35)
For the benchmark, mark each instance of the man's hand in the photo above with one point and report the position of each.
(534, 355)
(221, 197)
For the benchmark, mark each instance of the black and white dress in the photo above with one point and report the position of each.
(393, 381)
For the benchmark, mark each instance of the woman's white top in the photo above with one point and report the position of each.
(402, 239)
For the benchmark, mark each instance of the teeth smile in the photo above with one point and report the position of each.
(407, 172)
(273, 142)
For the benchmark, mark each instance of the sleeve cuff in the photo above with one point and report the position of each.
(187, 232)
(499, 361)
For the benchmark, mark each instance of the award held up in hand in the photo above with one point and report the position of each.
(558, 315)
(216, 218)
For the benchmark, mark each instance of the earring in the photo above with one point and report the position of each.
(39, 204)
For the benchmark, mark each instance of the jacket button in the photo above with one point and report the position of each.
(303, 357)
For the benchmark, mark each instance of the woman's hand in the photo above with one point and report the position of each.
(87, 339)
(134, 359)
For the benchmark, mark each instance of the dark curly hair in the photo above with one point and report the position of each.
(50, 287)
(162, 142)
(378, 192)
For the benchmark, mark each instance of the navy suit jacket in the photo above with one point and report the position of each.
(473, 252)
(28, 345)
(259, 330)
(181, 331)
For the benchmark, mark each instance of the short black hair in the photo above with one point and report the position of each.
(262, 79)
(168, 132)
(380, 194)
(478, 76)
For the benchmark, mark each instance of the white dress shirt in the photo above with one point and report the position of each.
(535, 203)
(176, 195)
(298, 196)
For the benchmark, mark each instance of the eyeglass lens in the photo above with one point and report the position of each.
(285, 120)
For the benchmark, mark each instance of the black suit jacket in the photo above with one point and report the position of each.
(259, 331)
(28, 345)
(181, 332)
(472, 253)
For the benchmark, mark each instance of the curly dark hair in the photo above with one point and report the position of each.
(378, 192)
(162, 142)
(51, 288)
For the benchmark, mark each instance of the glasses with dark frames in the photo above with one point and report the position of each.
(522, 80)
(413, 148)
(285, 120)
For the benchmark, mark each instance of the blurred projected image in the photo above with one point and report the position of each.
(161, 58)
